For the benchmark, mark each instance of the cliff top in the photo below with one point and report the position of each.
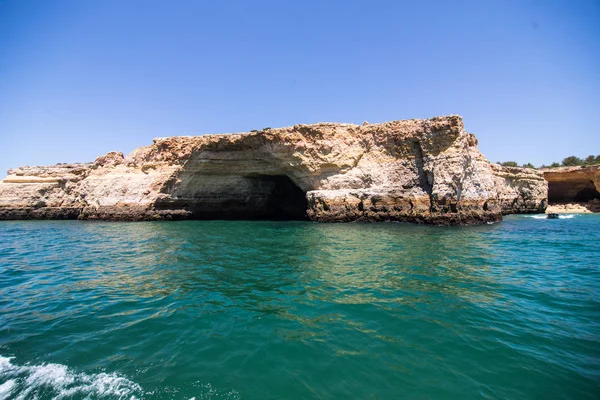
(404, 124)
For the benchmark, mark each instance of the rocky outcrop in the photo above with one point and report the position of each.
(424, 171)
(572, 184)
(110, 159)
(520, 190)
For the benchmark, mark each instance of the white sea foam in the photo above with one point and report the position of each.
(544, 216)
(6, 388)
(59, 382)
(28, 381)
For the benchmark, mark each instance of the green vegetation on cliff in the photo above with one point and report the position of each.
(571, 161)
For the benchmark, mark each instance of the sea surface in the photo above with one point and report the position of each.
(299, 310)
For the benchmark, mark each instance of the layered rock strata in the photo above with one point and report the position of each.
(520, 190)
(423, 171)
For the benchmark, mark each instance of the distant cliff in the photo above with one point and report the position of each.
(423, 171)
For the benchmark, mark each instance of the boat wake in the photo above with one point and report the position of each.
(538, 216)
(57, 381)
(544, 216)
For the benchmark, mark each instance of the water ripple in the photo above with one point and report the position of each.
(232, 310)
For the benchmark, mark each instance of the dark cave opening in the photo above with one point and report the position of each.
(586, 194)
(285, 200)
(571, 191)
(255, 197)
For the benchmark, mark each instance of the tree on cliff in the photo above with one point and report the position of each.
(572, 161)
(553, 165)
(528, 165)
(590, 160)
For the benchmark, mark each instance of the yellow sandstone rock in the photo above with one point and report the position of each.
(424, 171)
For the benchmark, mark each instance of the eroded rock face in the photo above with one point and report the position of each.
(424, 171)
(520, 190)
(110, 159)
(572, 184)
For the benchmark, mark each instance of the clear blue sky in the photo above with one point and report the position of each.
(79, 78)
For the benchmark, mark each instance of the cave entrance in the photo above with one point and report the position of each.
(239, 197)
(586, 195)
(571, 192)
(276, 197)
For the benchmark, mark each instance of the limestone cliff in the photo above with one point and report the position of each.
(424, 171)
(520, 190)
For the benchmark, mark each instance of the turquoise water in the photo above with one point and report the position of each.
(298, 310)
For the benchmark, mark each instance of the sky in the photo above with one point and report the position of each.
(79, 78)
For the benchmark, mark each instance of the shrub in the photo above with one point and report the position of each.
(591, 160)
(572, 161)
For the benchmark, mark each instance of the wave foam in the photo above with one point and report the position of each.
(59, 382)
(544, 216)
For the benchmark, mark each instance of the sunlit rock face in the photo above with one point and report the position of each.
(520, 190)
(573, 184)
(424, 171)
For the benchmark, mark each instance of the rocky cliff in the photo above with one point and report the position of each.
(424, 171)
(520, 190)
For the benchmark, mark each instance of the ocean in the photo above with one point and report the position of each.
(300, 310)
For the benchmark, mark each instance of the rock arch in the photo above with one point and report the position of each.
(236, 184)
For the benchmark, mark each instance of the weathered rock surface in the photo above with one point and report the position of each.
(592, 206)
(520, 190)
(424, 171)
(572, 184)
